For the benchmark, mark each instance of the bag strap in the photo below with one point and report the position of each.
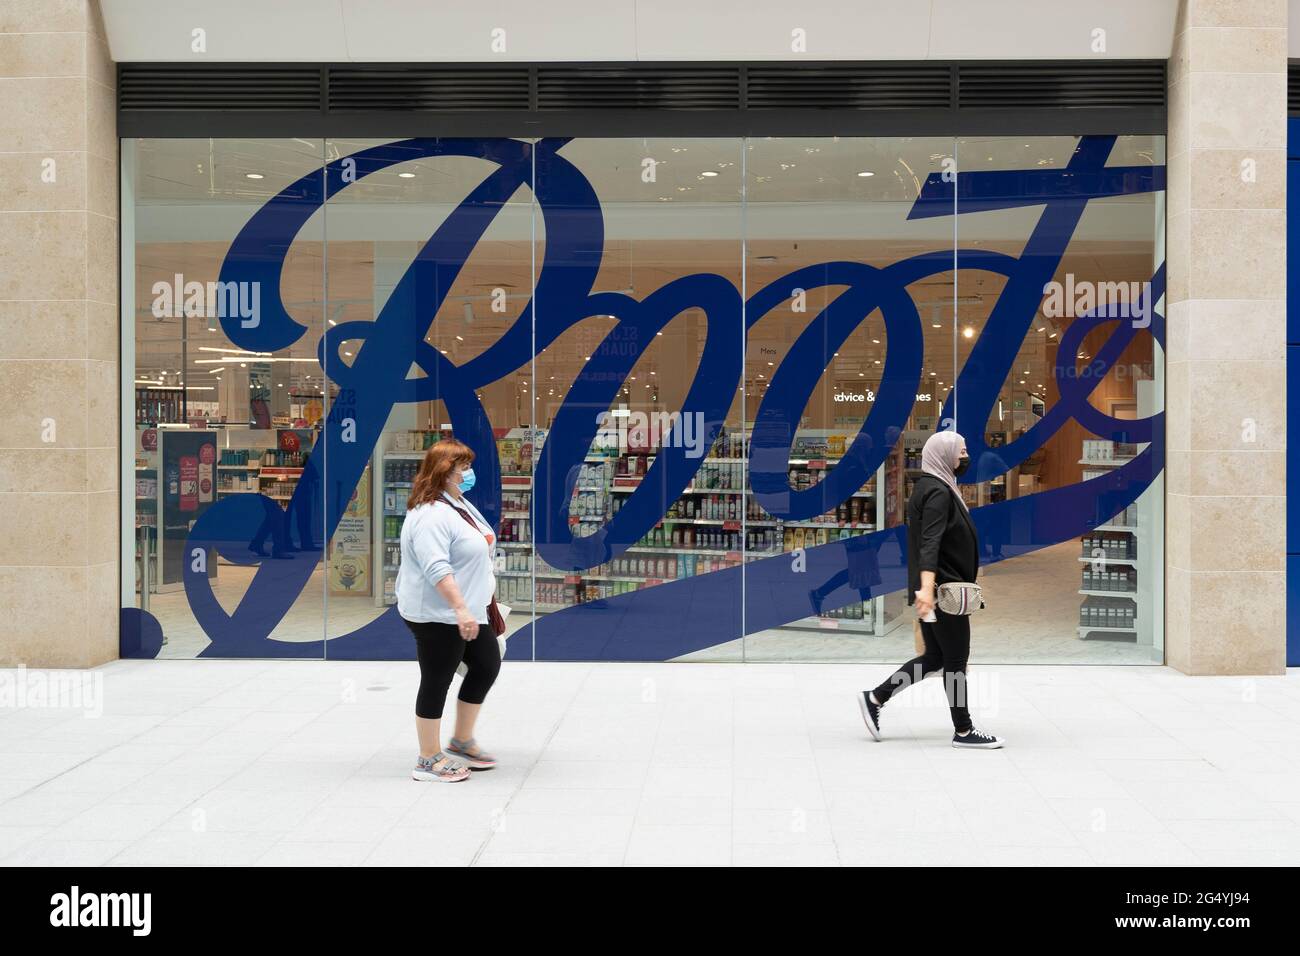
(460, 511)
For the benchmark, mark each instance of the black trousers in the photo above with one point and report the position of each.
(947, 646)
(440, 649)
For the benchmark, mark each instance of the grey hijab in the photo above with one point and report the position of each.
(939, 457)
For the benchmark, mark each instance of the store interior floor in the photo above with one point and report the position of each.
(210, 763)
(1031, 617)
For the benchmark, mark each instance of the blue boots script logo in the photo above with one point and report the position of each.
(688, 614)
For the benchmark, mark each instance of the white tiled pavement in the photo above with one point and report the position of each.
(243, 762)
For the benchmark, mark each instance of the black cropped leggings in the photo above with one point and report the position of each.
(440, 648)
(947, 646)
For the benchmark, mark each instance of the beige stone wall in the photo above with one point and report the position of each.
(1226, 483)
(59, 312)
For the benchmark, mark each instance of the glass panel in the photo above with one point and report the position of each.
(430, 276)
(850, 341)
(228, 311)
(639, 494)
(1060, 398)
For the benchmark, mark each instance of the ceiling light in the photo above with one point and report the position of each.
(866, 173)
(968, 331)
(709, 172)
(406, 175)
(253, 176)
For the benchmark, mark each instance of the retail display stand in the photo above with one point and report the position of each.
(1109, 555)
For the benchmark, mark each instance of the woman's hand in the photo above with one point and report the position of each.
(924, 601)
(465, 621)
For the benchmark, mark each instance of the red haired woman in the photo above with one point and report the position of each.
(444, 587)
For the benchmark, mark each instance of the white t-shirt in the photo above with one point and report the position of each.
(436, 542)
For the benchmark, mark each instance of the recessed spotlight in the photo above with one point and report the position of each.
(710, 173)
(866, 173)
(406, 175)
(253, 176)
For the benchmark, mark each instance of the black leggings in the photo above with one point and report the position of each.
(947, 646)
(440, 648)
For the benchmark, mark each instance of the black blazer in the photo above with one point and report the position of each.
(940, 536)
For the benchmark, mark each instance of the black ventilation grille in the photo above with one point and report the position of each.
(429, 88)
(631, 99)
(1293, 88)
(233, 86)
(849, 86)
(645, 87)
(1060, 85)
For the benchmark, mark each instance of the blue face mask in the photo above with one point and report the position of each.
(466, 480)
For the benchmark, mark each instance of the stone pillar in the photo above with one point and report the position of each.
(59, 389)
(1225, 514)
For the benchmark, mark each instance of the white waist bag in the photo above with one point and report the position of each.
(959, 597)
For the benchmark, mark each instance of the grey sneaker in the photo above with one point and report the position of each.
(439, 768)
(475, 757)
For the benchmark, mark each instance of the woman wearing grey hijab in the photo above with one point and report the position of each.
(942, 546)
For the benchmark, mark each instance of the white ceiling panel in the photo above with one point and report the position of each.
(270, 31)
(278, 31)
(1051, 29)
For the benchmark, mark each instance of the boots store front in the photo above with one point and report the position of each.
(695, 321)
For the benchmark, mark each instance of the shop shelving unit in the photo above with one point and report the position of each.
(1109, 555)
(714, 524)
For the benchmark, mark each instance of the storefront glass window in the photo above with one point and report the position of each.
(697, 374)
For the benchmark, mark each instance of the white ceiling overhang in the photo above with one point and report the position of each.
(629, 30)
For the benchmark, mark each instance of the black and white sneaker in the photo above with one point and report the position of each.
(870, 713)
(976, 740)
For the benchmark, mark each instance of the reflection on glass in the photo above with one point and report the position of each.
(215, 421)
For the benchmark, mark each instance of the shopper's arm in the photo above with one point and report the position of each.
(934, 519)
(450, 592)
(926, 596)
